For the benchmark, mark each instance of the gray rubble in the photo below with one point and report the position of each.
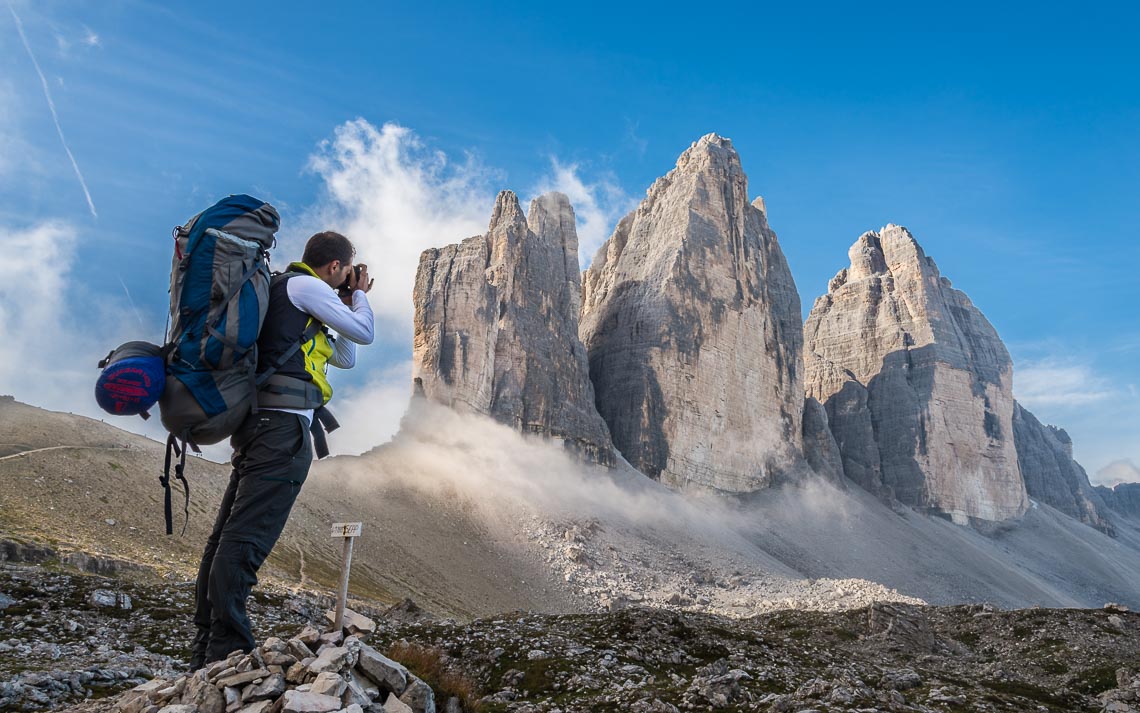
(348, 678)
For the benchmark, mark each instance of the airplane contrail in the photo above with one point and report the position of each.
(51, 105)
(131, 300)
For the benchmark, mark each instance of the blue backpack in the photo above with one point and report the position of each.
(219, 293)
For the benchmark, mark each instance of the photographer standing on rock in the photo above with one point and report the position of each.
(272, 448)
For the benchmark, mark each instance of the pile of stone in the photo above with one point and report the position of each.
(310, 673)
(1125, 698)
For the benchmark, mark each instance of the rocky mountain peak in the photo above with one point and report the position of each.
(496, 326)
(506, 211)
(551, 219)
(691, 319)
(916, 383)
(708, 154)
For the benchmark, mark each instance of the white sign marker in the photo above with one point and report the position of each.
(349, 531)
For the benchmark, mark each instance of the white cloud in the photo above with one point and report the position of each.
(1117, 472)
(1100, 413)
(17, 156)
(394, 198)
(370, 415)
(55, 332)
(597, 206)
(1054, 382)
(85, 38)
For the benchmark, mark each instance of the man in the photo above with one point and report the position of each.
(272, 450)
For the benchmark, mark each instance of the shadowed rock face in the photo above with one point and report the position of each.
(692, 322)
(1051, 475)
(1124, 498)
(820, 448)
(496, 326)
(916, 383)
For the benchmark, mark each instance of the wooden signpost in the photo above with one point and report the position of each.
(349, 531)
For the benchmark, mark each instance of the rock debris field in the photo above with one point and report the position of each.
(84, 643)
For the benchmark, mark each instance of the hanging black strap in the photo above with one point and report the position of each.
(180, 473)
(172, 447)
(164, 480)
(323, 422)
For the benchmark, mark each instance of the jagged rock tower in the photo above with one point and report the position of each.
(496, 326)
(1045, 454)
(693, 327)
(916, 383)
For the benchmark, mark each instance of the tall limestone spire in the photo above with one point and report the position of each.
(693, 327)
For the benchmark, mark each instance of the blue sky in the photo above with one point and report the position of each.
(1003, 135)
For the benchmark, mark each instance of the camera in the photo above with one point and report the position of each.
(356, 275)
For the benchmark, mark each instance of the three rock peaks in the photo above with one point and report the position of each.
(681, 350)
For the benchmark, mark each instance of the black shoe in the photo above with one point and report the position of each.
(198, 650)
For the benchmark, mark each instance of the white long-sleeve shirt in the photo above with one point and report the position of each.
(353, 325)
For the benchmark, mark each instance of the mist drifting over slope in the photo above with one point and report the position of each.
(615, 537)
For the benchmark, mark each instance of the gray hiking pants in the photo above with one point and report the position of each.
(272, 454)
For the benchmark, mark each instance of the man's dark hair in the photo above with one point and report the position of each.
(325, 247)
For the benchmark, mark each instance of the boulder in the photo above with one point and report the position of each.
(201, 693)
(296, 673)
(386, 673)
(329, 684)
(496, 326)
(309, 636)
(309, 702)
(693, 326)
(270, 688)
(418, 696)
(332, 658)
(395, 705)
(353, 622)
(105, 598)
(240, 679)
(298, 648)
(354, 694)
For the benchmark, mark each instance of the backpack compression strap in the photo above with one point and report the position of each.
(213, 328)
(179, 473)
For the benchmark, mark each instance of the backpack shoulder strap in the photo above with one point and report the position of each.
(310, 332)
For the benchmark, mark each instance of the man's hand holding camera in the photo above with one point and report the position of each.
(358, 279)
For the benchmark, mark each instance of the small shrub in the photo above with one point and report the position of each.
(969, 638)
(428, 662)
(845, 635)
(1094, 681)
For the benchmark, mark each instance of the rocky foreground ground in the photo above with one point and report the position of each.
(81, 642)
